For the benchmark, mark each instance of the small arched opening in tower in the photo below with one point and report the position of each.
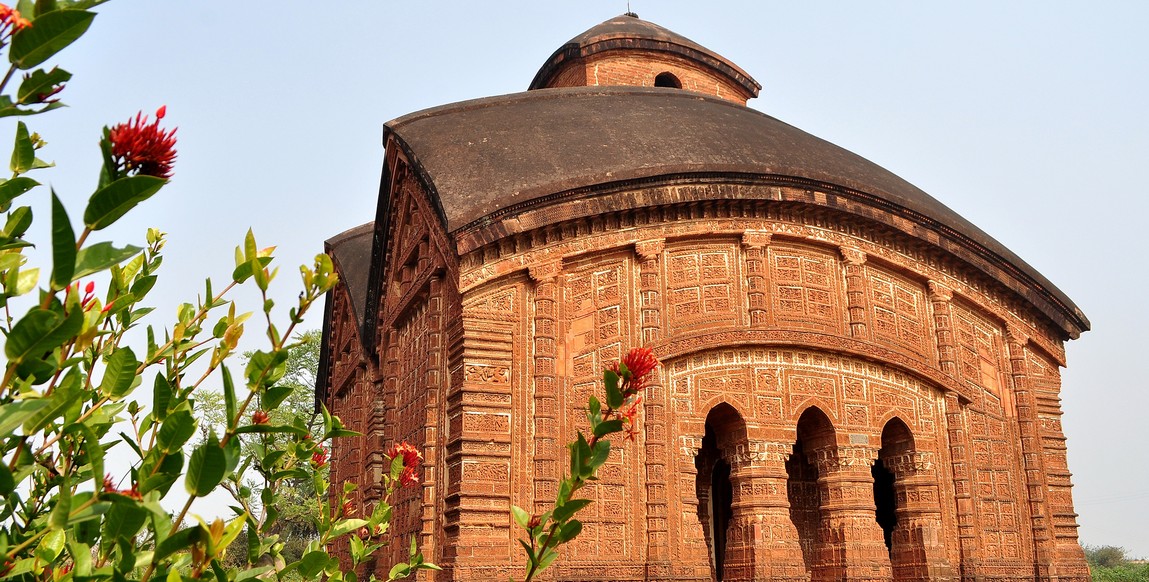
(666, 79)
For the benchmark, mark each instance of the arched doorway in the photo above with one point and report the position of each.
(725, 431)
(890, 493)
(814, 432)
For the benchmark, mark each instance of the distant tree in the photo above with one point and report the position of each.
(298, 514)
(1105, 556)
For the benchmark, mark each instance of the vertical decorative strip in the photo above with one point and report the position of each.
(545, 352)
(754, 243)
(940, 296)
(1031, 451)
(655, 423)
(854, 259)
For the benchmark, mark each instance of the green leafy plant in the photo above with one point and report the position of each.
(546, 532)
(80, 367)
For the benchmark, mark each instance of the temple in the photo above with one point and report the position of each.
(856, 382)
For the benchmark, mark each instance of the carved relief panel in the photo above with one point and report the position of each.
(598, 313)
(899, 312)
(703, 287)
(805, 288)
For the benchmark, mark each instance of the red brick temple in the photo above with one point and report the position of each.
(857, 383)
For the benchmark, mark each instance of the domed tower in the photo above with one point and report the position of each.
(856, 382)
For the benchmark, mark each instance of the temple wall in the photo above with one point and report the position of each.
(771, 318)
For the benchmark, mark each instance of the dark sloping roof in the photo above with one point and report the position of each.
(352, 253)
(483, 156)
(628, 31)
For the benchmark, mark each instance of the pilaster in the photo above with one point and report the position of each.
(754, 243)
(854, 260)
(1031, 454)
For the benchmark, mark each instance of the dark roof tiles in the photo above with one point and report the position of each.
(487, 156)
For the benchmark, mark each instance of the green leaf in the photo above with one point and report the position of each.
(346, 526)
(40, 83)
(18, 222)
(180, 540)
(520, 515)
(275, 396)
(569, 531)
(125, 519)
(206, 468)
(228, 396)
(11, 189)
(607, 427)
(399, 571)
(601, 452)
(161, 397)
(7, 482)
(177, 428)
(24, 152)
(119, 373)
(14, 414)
(41, 331)
(111, 202)
(63, 245)
(58, 519)
(100, 257)
(568, 509)
(93, 452)
(49, 35)
(312, 564)
(50, 545)
(168, 472)
(613, 394)
(65, 395)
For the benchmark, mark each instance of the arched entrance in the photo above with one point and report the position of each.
(814, 432)
(897, 442)
(725, 432)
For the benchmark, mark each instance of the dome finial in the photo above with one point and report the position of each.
(628, 12)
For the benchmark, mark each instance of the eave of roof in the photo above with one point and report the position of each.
(482, 157)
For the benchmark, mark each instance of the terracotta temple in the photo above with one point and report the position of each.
(857, 383)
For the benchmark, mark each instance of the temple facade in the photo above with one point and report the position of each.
(856, 382)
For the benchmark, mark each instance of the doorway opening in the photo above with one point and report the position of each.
(805, 495)
(724, 428)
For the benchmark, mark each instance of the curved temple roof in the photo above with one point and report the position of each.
(487, 157)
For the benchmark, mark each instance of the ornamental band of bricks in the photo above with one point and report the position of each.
(811, 335)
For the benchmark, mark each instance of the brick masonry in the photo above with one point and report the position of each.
(813, 343)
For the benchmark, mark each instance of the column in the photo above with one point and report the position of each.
(854, 259)
(762, 543)
(852, 546)
(919, 551)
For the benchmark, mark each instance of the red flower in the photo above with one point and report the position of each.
(140, 148)
(11, 17)
(408, 477)
(319, 457)
(260, 417)
(347, 510)
(630, 418)
(411, 456)
(639, 362)
(411, 459)
(109, 483)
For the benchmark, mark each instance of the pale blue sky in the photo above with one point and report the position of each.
(1029, 118)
